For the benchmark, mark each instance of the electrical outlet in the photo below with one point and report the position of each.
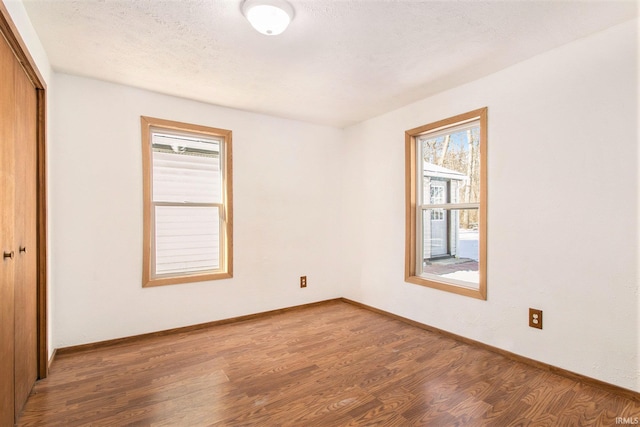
(303, 281)
(535, 318)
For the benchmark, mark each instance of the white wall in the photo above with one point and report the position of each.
(563, 209)
(28, 34)
(286, 192)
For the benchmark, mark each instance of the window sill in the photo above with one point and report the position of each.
(480, 293)
(175, 280)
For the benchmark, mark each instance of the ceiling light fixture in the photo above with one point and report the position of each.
(270, 17)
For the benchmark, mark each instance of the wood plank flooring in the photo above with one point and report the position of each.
(332, 364)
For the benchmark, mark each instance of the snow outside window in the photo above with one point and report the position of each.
(446, 204)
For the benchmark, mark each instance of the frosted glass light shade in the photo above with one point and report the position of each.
(269, 17)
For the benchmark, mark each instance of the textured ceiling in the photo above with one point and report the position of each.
(339, 62)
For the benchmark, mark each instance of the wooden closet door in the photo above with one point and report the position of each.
(7, 225)
(25, 238)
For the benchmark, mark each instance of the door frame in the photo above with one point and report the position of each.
(445, 246)
(9, 31)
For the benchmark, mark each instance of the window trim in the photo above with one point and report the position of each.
(411, 275)
(226, 258)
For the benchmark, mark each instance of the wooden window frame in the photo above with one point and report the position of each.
(411, 197)
(225, 270)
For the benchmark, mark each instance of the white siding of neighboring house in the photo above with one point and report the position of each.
(187, 238)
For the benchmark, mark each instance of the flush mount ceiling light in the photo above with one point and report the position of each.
(270, 17)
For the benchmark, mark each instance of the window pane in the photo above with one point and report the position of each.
(450, 245)
(186, 170)
(187, 239)
(451, 159)
(180, 143)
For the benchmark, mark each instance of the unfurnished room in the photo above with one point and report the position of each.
(319, 213)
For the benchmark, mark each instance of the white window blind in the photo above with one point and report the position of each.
(187, 203)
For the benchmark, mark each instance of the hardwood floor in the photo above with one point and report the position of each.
(332, 364)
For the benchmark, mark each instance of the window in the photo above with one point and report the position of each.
(446, 193)
(187, 203)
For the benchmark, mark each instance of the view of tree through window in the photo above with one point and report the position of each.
(446, 229)
(459, 151)
(451, 175)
